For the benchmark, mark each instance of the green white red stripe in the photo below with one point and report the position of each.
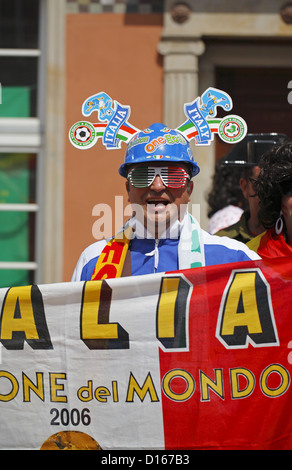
(189, 130)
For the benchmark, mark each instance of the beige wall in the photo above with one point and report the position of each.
(116, 54)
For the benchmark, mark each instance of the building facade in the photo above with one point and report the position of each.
(154, 56)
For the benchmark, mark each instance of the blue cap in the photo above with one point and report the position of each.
(158, 143)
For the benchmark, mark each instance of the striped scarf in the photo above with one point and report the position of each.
(111, 261)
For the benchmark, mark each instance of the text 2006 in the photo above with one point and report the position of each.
(73, 417)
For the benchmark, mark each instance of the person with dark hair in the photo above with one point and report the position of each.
(274, 189)
(246, 154)
(225, 200)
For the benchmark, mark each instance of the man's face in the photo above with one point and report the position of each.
(159, 205)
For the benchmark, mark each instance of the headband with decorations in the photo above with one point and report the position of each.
(114, 128)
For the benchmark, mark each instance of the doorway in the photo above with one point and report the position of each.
(260, 96)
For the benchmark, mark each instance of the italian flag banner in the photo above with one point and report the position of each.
(194, 359)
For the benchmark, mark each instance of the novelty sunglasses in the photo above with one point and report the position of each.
(143, 176)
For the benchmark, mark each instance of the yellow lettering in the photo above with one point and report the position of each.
(91, 328)
(148, 386)
(14, 390)
(166, 310)
(96, 330)
(246, 312)
(172, 312)
(23, 319)
(100, 394)
(285, 380)
(55, 387)
(188, 379)
(85, 390)
(17, 314)
(28, 385)
(242, 288)
(115, 391)
(207, 383)
(234, 380)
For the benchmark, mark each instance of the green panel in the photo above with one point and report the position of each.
(15, 102)
(14, 226)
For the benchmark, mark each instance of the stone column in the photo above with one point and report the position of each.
(180, 77)
(181, 85)
(54, 139)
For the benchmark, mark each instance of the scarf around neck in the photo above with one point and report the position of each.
(112, 259)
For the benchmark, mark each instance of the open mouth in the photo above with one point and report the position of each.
(157, 205)
(158, 202)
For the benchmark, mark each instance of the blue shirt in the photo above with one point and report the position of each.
(142, 260)
(145, 259)
(149, 256)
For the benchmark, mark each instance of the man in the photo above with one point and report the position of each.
(162, 235)
(246, 154)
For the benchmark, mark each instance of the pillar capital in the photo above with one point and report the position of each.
(195, 47)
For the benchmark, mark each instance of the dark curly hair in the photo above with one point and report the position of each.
(276, 167)
(225, 189)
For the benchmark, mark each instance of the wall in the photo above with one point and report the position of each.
(199, 36)
(117, 54)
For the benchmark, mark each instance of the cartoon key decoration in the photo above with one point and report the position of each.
(114, 128)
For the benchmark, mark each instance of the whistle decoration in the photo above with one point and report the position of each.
(114, 127)
(202, 123)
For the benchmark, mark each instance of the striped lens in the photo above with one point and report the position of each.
(172, 177)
